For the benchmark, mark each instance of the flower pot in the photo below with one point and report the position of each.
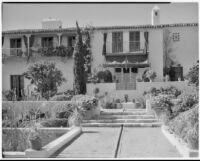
(36, 143)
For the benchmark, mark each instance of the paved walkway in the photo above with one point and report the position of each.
(93, 143)
(135, 143)
(145, 143)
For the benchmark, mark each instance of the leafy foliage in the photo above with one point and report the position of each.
(193, 75)
(46, 77)
(186, 126)
(79, 71)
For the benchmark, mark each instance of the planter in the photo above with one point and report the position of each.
(92, 113)
(119, 105)
(36, 143)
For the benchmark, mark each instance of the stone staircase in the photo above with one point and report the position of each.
(127, 118)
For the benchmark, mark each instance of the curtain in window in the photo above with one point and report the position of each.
(146, 37)
(117, 42)
(25, 41)
(2, 41)
(104, 43)
(31, 42)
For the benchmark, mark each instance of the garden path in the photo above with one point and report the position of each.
(101, 142)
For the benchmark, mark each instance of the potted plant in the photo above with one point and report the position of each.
(35, 140)
(126, 98)
(134, 104)
(150, 74)
(118, 103)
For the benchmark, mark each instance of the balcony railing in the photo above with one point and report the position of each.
(126, 47)
(43, 51)
(12, 52)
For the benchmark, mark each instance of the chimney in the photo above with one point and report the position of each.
(51, 23)
(155, 15)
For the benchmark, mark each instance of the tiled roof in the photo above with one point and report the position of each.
(68, 30)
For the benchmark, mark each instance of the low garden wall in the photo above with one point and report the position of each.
(141, 87)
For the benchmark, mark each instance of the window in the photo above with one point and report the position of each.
(176, 37)
(134, 70)
(15, 43)
(117, 42)
(126, 70)
(71, 41)
(134, 41)
(47, 42)
(15, 47)
(118, 70)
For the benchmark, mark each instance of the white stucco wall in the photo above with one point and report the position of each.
(185, 51)
(156, 52)
(96, 48)
(15, 66)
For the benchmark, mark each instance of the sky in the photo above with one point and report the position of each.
(30, 15)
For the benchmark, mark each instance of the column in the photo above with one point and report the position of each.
(28, 43)
(59, 39)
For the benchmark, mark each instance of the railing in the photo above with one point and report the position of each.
(44, 51)
(126, 47)
(12, 52)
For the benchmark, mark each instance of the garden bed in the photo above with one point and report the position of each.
(180, 145)
(59, 138)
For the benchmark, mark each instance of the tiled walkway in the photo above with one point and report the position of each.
(135, 143)
(145, 143)
(93, 143)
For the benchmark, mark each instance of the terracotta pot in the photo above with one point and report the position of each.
(36, 143)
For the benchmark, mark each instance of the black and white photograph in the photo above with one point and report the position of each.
(99, 80)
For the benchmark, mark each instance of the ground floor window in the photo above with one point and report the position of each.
(17, 85)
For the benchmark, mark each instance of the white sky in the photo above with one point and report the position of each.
(30, 15)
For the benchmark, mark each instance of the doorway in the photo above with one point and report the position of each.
(17, 84)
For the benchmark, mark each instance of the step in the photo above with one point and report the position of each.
(124, 113)
(125, 117)
(157, 124)
(121, 121)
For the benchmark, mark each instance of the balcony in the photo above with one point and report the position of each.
(42, 51)
(126, 48)
(13, 52)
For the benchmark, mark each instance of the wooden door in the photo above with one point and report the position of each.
(17, 84)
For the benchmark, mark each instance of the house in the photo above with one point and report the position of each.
(127, 51)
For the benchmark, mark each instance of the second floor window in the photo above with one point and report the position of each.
(117, 42)
(15, 43)
(71, 41)
(134, 41)
(47, 42)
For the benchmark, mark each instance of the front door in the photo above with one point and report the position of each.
(17, 84)
(126, 78)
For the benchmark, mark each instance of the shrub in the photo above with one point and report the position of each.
(187, 101)
(193, 75)
(85, 101)
(165, 105)
(61, 98)
(148, 75)
(55, 123)
(46, 77)
(185, 122)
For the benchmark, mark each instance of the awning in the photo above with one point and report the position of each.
(129, 65)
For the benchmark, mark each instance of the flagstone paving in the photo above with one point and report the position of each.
(101, 142)
(145, 143)
(93, 143)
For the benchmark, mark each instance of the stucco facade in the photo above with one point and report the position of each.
(185, 51)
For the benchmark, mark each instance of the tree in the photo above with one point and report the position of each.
(79, 70)
(193, 75)
(46, 77)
